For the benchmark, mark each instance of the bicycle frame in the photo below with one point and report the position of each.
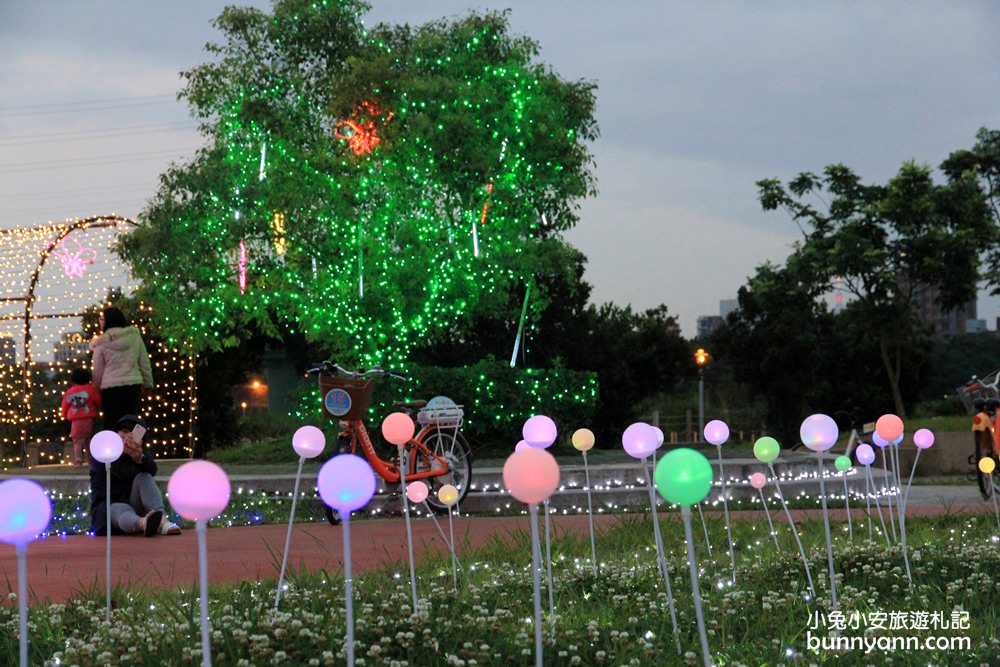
(389, 471)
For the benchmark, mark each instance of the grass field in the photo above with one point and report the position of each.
(621, 616)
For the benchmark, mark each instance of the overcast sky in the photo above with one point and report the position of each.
(696, 102)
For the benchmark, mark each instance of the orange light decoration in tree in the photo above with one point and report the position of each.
(486, 206)
(360, 132)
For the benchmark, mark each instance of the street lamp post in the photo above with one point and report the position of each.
(701, 358)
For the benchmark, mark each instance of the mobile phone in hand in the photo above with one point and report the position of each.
(138, 431)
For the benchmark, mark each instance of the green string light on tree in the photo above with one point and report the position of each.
(380, 150)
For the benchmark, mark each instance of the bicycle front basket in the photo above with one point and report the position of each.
(345, 398)
(977, 390)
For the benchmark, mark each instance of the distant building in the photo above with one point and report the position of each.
(943, 322)
(71, 348)
(707, 324)
(975, 326)
(727, 306)
(8, 349)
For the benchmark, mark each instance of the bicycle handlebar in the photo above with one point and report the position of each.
(977, 382)
(333, 368)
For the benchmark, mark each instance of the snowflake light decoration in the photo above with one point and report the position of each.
(74, 260)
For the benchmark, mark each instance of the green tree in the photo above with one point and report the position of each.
(982, 162)
(785, 347)
(371, 187)
(886, 242)
(956, 359)
(778, 346)
(555, 320)
(637, 356)
(860, 383)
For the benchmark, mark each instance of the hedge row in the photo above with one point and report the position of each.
(497, 399)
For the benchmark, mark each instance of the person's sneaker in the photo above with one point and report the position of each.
(169, 528)
(151, 522)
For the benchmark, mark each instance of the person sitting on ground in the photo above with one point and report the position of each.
(136, 501)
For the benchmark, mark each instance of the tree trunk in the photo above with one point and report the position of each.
(892, 372)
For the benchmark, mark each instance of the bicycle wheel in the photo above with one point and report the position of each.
(984, 448)
(451, 446)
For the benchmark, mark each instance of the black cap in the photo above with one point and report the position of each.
(128, 422)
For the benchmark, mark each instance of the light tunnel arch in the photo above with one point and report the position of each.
(40, 305)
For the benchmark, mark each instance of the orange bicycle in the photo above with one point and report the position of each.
(982, 400)
(438, 454)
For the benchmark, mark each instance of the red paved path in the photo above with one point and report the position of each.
(59, 568)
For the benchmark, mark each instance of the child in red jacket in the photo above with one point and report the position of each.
(80, 405)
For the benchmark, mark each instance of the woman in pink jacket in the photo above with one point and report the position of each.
(121, 366)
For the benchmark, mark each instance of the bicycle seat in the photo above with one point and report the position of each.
(409, 405)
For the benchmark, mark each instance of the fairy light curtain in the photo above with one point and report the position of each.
(49, 276)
